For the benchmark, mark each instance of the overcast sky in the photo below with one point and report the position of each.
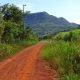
(69, 9)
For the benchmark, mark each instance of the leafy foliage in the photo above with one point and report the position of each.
(12, 31)
(63, 54)
(11, 12)
(1, 28)
(69, 35)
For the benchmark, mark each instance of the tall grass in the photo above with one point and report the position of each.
(69, 35)
(7, 50)
(63, 56)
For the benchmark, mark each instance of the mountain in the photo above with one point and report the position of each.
(43, 23)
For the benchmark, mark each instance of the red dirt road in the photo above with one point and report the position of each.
(26, 65)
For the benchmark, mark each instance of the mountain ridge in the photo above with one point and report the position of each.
(44, 23)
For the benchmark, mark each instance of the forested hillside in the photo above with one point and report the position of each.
(43, 23)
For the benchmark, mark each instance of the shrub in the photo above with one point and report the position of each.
(1, 28)
(69, 35)
(5, 50)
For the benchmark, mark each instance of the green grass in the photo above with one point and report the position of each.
(62, 56)
(7, 50)
(71, 76)
(73, 34)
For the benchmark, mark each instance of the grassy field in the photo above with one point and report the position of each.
(63, 54)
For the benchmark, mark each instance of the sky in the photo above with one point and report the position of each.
(69, 9)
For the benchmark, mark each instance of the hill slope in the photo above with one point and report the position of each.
(43, 23)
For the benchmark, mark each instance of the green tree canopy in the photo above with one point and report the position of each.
(11, 12)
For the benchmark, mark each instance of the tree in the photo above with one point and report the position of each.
(8, 35)
(11, 12)
(12, 16)
(13, 25)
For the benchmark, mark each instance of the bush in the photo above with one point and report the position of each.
(69, 35)
(5, 50)
(1, 28)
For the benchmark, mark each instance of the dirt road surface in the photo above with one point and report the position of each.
(26, 65)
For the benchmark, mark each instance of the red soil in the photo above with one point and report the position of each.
(26, 65)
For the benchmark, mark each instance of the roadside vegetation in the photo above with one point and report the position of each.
(63, 54)
(14, 36)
